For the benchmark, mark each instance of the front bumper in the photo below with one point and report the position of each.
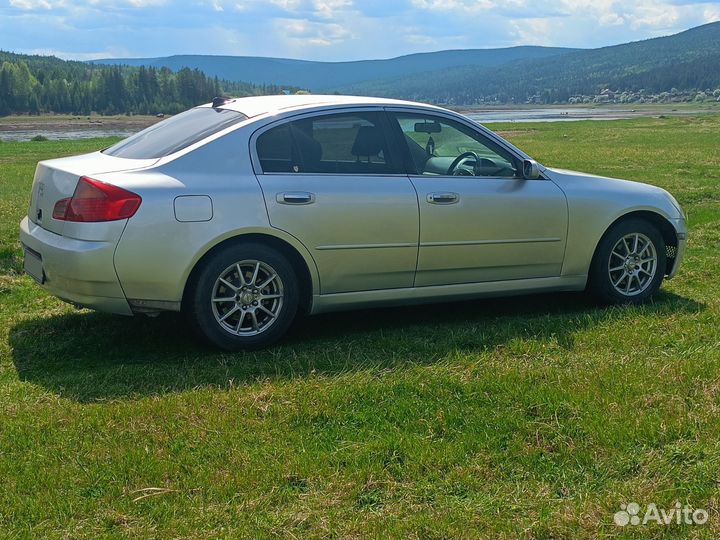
(80, 272)
(681, 232)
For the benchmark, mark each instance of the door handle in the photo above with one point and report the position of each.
(295, 197)
(445, 197)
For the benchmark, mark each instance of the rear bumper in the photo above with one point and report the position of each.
(78, 271)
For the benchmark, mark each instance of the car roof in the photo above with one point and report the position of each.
(258, 105)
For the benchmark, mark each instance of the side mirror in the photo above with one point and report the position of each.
(531, 171)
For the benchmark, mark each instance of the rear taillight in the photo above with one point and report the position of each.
(97, 201)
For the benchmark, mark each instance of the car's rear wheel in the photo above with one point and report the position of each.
(244, 297)
(629, 264)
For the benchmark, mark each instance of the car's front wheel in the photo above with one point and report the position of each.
(244, 297)
(629, 264)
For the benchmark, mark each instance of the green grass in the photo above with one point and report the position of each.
(524, 417)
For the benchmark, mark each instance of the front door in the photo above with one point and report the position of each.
(479, 219)
(334, 182)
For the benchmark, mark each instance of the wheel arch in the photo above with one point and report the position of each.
(299, 258)
(656, 219)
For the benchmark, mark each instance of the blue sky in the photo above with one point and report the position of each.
(331, 29)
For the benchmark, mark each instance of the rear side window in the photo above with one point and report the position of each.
(275, 149)
(175, 133)
(331, 144)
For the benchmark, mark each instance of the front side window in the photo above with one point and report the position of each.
(439, 146)
(175, 133)
(331, 144)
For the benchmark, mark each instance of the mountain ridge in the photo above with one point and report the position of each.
(318, 75)
(686, 60)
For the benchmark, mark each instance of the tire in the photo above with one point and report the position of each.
(618, 260)
(230, 312)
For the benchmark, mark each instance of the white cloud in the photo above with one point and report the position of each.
(711, 13)
(454, 5)
(287, 5)
(302, 32)
(31, 4)
(534, 31)
(654, 15)
(144, 3)
(328, 9)
(611, 19)
(335, 29)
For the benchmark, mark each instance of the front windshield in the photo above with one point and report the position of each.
(175, 133)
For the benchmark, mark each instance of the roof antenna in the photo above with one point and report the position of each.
(220, 100)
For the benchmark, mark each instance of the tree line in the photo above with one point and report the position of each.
(45, 84)
(540, 81)
(688, 62)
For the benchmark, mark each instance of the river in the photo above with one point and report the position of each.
(57, 130)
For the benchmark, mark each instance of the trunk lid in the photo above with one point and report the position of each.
(56, 179)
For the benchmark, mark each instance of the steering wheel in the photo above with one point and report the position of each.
(454, 168)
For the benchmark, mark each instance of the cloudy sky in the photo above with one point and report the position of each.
(331, 29)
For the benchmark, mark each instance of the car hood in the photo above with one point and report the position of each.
(574, 176)
(632, 192)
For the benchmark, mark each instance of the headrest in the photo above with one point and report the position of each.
(369, 141)
(310, 149)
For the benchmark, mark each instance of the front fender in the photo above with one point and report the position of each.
(595, 203)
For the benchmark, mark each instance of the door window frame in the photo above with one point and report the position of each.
(480, 131)
(397, 152)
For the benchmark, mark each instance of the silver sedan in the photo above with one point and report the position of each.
(244, 212)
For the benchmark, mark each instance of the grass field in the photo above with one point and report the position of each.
(526, 417)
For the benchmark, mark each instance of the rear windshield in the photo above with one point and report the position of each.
(175, 133)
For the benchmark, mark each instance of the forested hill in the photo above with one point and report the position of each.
(38, 84)
(323, 76)
(686, 61)
(683, 66)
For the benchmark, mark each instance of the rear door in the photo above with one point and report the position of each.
(335, 182)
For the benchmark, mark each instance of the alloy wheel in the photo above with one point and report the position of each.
(632, 264)
(247, 298)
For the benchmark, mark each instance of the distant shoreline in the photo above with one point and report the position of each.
(25, 121)
(69, 127)
(644, 108)
(66, 121)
